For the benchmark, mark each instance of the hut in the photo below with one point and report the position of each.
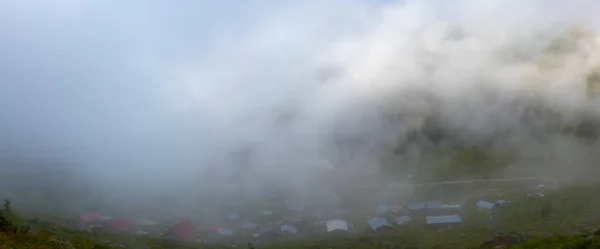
(445, 221)
(184, 230)
(485, 206)
(378, 224)
(336, 225)
(289, 229)
(403, 220)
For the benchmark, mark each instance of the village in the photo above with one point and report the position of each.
(279, 219)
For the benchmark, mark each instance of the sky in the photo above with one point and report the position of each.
(153, 93)
(137, 86)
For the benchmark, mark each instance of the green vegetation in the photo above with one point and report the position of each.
(562, 242)
(562, 219)
(17, 233)
(556, 218)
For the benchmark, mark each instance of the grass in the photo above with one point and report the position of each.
(561, 219)
(561, 242)
(570, 213)
(18, 233)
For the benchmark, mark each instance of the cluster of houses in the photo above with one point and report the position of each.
(289, 220)
(434, 213)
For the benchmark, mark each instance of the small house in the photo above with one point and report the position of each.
(416, 207)
(445, 221)
(434, 205)
(122, 225)
(403, 220)
(396, 208)
(336, 225)
(452, 206)
(501, 202)
(451, 209)
(184, 230)
(289, 229)
(485, 206)
(379, 224)
(435, 208)
(105, 219)
(90, 217)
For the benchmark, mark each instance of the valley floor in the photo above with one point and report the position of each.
(564, 218)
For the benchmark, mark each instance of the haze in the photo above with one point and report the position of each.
(191, 98)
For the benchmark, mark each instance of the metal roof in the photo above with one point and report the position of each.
(289, 229)
(434, 205)
(377, 222)
(445, 219)
(333, 225)
(485, 205)
(416, 206)
(225, 231)
(396, 208)
(501, 202)
(382, 209)
(452, 206)
(403, 220)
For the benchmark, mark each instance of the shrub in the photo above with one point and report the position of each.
(7, 205)
(5, 223)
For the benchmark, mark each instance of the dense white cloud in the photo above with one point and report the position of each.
(155, 91)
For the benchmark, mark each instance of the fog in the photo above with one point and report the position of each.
(211, 98)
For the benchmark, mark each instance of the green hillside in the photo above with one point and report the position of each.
(563, 218)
